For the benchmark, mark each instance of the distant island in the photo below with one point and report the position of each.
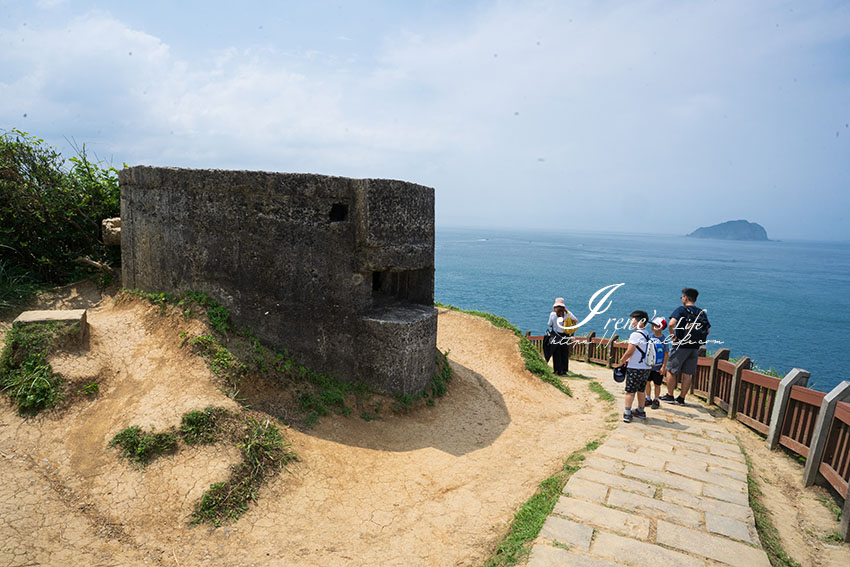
(732, 230)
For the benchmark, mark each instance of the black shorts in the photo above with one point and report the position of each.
(636, 379)
(655, 377)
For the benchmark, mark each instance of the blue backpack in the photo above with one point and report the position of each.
(654, 355)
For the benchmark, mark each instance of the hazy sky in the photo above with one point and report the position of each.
(656, 116)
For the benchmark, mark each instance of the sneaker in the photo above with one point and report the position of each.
(680, 400)
(627, 417)
(637, 412)
(667, 398)
(655, 404)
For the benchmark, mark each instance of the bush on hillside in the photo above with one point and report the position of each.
(51, 214)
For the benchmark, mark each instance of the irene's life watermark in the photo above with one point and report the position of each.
(597, 306)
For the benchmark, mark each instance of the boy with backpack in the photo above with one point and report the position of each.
(637, 370)
(656, 356)
(689, 330)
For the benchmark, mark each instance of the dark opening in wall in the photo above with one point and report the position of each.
(339, 212)
(415, 286)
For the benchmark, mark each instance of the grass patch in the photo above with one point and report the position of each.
(601, 392)
(203, 427)
(534, 362)
(142, 447)
(89, 389)
(264, 453)
(768, 534)
(25, 375)
(529, 519)
(830, 505)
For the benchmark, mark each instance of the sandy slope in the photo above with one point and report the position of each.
(436, 487)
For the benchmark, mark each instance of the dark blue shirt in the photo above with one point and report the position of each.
(680, 314)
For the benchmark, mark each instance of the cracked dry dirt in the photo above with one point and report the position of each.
(436, 487)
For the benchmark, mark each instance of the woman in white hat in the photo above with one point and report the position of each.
(560, 321)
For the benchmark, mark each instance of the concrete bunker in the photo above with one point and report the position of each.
(338, 271)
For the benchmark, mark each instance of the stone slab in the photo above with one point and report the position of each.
(639, 553)
(713, 460)
(603, 517)
(710, 546)
(55, 316)
(567, 531)
(544, 555)
(735, 475)
(617, 481)
(664, 478)
(636, 443)
(578, 487)
(736, 495)
(734, 511)
(600, 463)
(648, 459)
(655, 508)
(697, 471)
(723, 525)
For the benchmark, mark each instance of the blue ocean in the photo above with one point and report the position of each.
(783, 304)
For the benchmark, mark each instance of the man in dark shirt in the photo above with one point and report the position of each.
(690, 327)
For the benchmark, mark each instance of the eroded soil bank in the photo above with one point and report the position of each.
(438, 486)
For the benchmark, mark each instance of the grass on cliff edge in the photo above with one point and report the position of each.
(530, 517)
(272, 381)
(25, 374)
(534, 363)
(768, 534)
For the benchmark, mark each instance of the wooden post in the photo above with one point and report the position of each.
(611, 350)
(822, 427)
(796, 377)
(702, 352)
(844, 527)
(743, 364)
(590, 336)
(722, 354)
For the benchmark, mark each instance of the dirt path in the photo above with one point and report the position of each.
(436, 487)
(799, 514)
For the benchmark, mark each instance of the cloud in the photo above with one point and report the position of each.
(506, 110)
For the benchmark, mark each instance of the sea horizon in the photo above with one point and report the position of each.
(762, 297)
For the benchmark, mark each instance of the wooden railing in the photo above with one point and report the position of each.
(756, 398)
(809, 423)
(799, 423)
(835, 466)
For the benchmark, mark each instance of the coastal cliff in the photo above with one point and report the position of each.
(732, 230)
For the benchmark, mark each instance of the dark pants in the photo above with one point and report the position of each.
(561, 353)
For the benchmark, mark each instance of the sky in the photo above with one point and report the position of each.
(644, 116)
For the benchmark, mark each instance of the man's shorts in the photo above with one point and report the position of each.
(655, 377)
(683, 360)
(636, 379)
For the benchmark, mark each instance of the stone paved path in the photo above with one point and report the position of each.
(667, 491)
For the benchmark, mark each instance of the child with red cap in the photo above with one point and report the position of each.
(662, 352)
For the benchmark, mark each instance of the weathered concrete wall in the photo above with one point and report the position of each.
(338, 271)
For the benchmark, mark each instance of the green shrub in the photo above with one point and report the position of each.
(142, 447)
(50, 214)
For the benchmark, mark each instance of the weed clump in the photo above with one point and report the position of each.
(25, 375)
(141, 447)
(264, 453)
(203, 427)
